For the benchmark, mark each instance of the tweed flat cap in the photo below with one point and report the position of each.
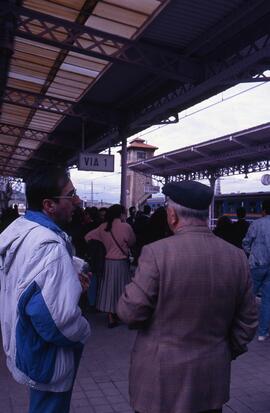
(190, 194)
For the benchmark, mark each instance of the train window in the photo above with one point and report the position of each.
(252, 206)
(219, 208)
(231, 207)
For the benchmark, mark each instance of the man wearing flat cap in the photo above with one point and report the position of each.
(191, 300)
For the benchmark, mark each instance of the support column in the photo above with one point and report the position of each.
(123, 197)
(7, 30)
(212, 181)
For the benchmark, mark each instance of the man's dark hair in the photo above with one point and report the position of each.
(241, 212)
(266, 206)
(146, 209)
(43, 183)
(132, 210)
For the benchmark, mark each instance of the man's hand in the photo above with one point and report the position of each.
(85, 281)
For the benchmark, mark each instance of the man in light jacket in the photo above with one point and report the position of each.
(192, 302)
(42, 326)
(257, 245)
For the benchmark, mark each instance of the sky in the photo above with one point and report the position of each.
(238, 108)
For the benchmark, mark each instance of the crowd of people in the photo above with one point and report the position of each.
(111, 243)
(8, 215)
(233, 232)
(189, 291)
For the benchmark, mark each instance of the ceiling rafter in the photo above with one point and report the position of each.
(54, 105)
(17, 150)
(22, 151)
(57, 32)
(30, 135)
(17, 131)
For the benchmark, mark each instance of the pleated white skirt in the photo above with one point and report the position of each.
(116, 276)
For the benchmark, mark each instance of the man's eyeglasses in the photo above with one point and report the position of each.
(70, 195)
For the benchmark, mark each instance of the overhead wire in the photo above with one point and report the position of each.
(204, 108)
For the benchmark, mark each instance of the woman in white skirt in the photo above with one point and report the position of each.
(117, 237)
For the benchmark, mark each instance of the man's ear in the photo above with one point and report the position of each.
(172, 217)
(49, 206)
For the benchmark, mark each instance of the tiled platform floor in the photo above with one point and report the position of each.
(102, 382)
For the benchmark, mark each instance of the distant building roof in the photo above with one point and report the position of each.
(243, 152)
(139, 143)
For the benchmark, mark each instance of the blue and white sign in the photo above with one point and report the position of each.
(96, 162)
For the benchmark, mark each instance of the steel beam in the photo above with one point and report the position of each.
(215, 74)
(259, 79)
(60, 33)
(31, 135)
(19, 132)
(237, 169)
(62, 107)
(189, 166)
(16, 150)
(11, 151)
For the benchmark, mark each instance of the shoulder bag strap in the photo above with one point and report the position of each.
(121, 249)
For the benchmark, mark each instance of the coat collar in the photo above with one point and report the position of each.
(193, 228)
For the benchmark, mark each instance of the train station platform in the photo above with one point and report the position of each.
(102, 381)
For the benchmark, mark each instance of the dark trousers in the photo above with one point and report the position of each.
(49, 402)
(52, 402)
(208, 411)
(213, 411)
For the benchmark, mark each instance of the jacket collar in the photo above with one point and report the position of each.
(193, 228)
(46, 221)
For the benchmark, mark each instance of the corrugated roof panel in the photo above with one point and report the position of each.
(56, 9)
(44, 121)
(31, 144)
(80, 70)
(30, 66)
(119, 14)
(10, 140)
(16, 159)
(180, 24)
(35, 48)
(26, 81)
(14, 115)
(22, 84)
(69, 88)
(111, 27)
(142, 6)
(59, 93)
(85, 61)
(67, 78)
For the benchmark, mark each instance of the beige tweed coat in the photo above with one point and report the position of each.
(192, 301)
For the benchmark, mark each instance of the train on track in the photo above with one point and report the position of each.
(227, 204)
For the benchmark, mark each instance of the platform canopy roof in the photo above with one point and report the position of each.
(241, 152)
(83, 74)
